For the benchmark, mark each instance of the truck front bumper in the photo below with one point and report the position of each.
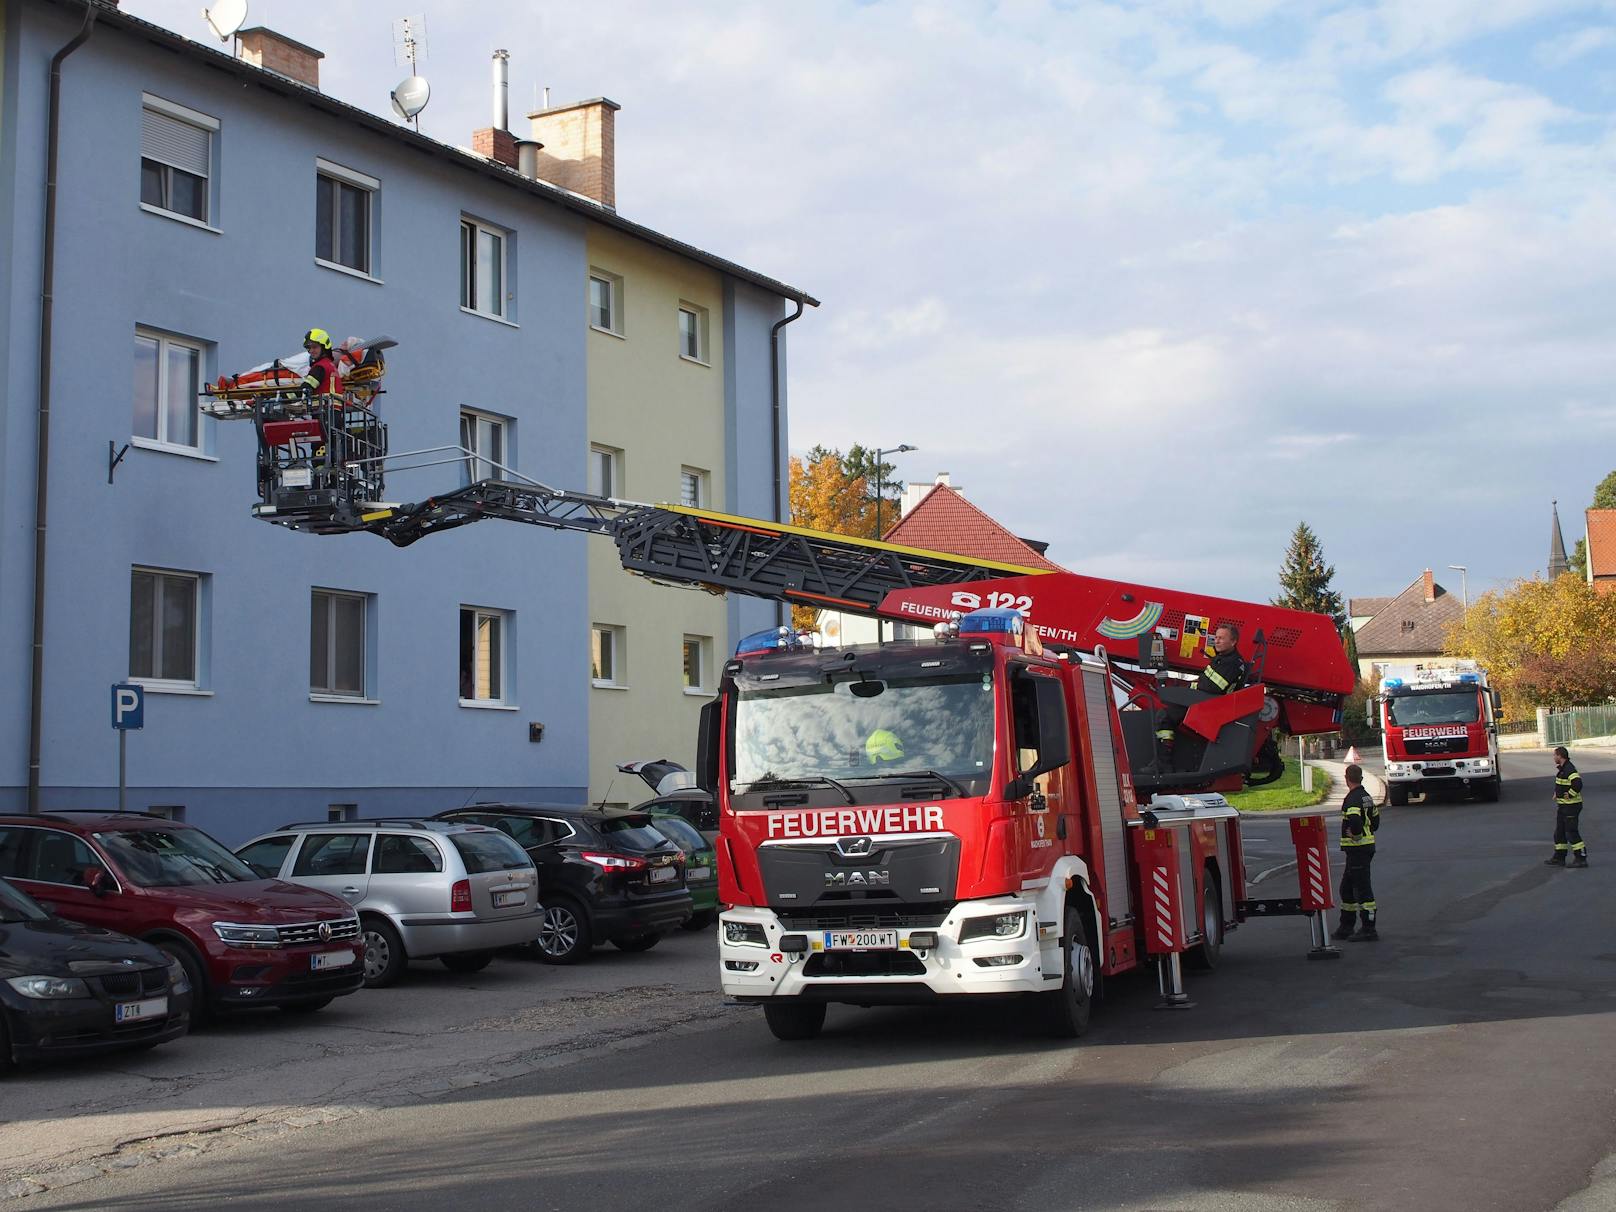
(755, 963)
(1440, 770)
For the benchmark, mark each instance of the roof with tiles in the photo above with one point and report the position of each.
(1360, 607)
(945, 521)
(1601, 543)
(1409, 623)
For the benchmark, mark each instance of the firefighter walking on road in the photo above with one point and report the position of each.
(1567, 813)
(1360, 817)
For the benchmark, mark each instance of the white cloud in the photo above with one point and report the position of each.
(1569, 47)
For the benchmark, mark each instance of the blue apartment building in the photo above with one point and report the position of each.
(208, 212)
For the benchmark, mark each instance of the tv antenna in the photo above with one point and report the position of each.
(225, 19)
(413, 92)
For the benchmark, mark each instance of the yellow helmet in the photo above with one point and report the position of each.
(883, 746)
(319, 336)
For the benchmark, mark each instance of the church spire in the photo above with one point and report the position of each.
(1557, 556)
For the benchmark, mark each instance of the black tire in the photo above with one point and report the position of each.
(1397, 795)
(467, 961)
(202, 1008)
(636, 942)
(308, 1007)
(6, 1062)
(385, 957)
(1488, 791)
(564, 934)
(1069, 1006)
(794, 1020)
(1205, 957)
(700, 921)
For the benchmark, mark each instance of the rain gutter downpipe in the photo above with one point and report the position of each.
(774, 388)
(42, 446)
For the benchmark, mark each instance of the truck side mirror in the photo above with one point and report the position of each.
(1054, 738)
(707, 747)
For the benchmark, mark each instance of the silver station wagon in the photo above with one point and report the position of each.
(423, 889)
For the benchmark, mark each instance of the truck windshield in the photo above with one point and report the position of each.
(1452, 707)
(899, 724)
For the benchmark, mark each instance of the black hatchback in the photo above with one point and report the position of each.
(601, 875)
(67, 989)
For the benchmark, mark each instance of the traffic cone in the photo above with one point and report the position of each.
(1352, 755)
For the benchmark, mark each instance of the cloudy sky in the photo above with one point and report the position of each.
(1153, 281)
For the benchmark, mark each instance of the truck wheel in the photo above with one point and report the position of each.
(794, 1020)
(1205, 957)
(1068, 1007)
(1489, 790)
(1397, 794)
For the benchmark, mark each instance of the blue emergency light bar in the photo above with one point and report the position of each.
(1470, 679)
(996, 619)
(774, 639)
(1388, 684)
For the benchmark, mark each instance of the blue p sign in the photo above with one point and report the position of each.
(128, 706)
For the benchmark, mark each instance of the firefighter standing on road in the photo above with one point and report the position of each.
(1567, 810)
(1224, 674)
(1359, 819)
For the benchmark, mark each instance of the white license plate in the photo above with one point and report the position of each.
(698, 873)
(504, 899)
(297, 477)
(664, 875)
(322, 960)
(131, 1012)
(861, 940)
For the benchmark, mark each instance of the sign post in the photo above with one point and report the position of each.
(128, 711)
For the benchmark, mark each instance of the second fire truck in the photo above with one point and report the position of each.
(1440, 730)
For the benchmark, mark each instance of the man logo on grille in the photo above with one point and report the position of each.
(851, 847)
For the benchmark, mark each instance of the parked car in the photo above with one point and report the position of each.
(242, 940)
(423, 889)
(701, 868)
(675, 791)
(601, 875)
(67, 989)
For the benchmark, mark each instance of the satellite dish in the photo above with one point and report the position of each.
(410, 97)
(225, 18)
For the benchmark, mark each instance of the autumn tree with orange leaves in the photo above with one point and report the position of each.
(835, 492)
(1543, 643)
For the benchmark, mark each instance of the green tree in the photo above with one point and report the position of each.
(1543, 643)
(1304, 578)
(1604, 498)
(859, 463)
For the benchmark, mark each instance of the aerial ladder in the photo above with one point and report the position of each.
(322, 463)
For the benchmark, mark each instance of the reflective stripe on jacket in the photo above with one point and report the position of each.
(1567, 786)
(1359, 819)
(1223, 674)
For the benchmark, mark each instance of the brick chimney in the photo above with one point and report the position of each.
(1430, 586)
(580, 148)
(274, 52)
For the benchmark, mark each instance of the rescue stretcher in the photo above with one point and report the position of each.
(361, 366)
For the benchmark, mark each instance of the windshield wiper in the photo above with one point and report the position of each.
(813, 780)
(952, 784)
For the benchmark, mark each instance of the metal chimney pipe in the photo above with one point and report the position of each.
(527, 157)
(502, 90)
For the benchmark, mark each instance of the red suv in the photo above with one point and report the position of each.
(242, 940)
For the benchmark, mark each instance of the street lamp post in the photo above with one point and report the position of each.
(1464, 583)
(879, 454)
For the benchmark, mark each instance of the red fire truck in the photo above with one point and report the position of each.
(1440, 730)
(982, 810)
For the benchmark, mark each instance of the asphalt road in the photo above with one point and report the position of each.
(1467, 1061)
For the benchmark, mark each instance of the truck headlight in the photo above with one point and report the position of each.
(1483, 763)
(748, 934)
(49, 988)
(1001, 925)
(247, 936)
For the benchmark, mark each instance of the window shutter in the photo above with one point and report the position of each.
(177, 144)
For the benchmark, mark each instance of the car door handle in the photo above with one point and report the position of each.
(350, 891)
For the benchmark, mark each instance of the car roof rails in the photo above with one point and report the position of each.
(63, 813)
(412, 822)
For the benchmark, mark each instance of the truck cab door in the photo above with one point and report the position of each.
(1040, 763)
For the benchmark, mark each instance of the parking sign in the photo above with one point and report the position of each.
(128, 706)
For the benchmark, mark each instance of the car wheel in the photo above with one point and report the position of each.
(467, 961)
(636, 942)
(563, 933)
(700, 921)
(1069, 1006)
(794, 1020)
(201, 999)
(384, 953)
(308, 1007)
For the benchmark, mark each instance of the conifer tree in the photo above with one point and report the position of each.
(1304, 578)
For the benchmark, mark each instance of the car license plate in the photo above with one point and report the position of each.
(131, 1012)
(664, 875)
(1437, 770)
(698, 873)
(861, 940)
(322, 960)
(504, 899)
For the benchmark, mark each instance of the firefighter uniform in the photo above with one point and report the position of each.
(1567, 811)
(1359, 820)
(1224, 674)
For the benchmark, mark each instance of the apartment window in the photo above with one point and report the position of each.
(176, 159)
(482, 655)
(340, 812)
(482, 268)
(692, 488)
(606, 302)
(693, 332)
(169, 812)
(483, 438)
(337, 643)
(608, 656)
(696, 649)
(168, 374)
(163, 626)
(344, 217)
(605, 471)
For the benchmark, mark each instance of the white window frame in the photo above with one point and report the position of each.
(698, 315)
(697, 478)
(614, 299)
(161, 685)
(614, 465)
(371, 187)
(618, 679)
(506, 700)
(327, 694)
(468, 269)
(161, 442)
(204, 122)
(704, 664)
(478, 459)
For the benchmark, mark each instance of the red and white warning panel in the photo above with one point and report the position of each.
(1161, 891)
(1311, 837)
